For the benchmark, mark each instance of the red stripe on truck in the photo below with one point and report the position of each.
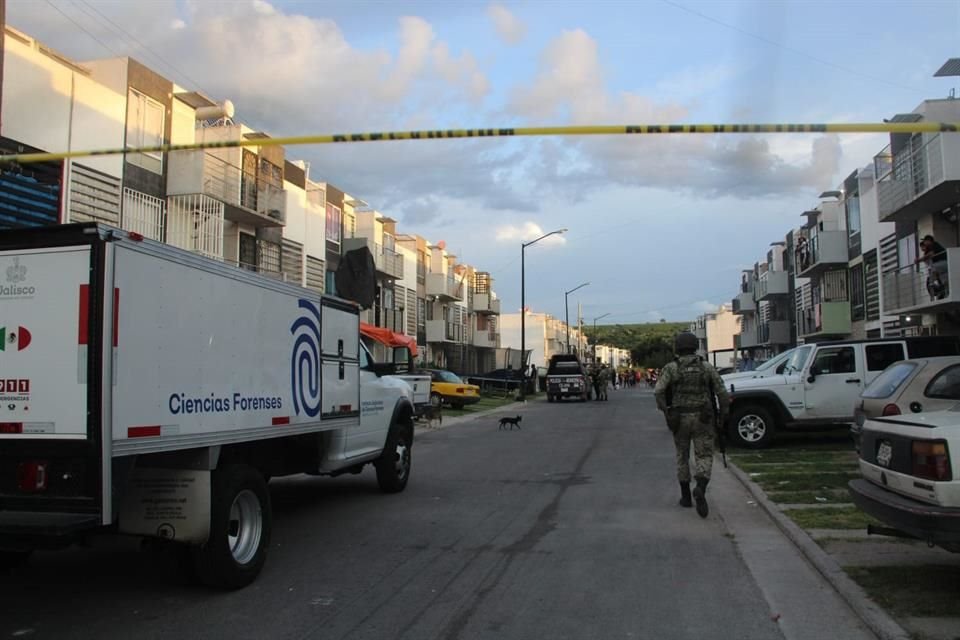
(84, 324)
(143, 432)
(281, 420)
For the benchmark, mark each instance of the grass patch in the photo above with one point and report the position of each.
(787, 481)
(839, 518)
(827, 496)
(800, 467)
(486, 403)
(782, 456)
(921, 591)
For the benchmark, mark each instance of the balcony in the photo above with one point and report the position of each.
(444, 287)
(774, 332)
(826, 319)
(486, 304)
(906, 290)
(827, 249)
(486, 339)
(919, 179)
(443, 331)
(249, 200)
(389, 263)
(744, 303)
(770, 285)
(745, 340)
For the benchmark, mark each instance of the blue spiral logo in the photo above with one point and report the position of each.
(305, 360)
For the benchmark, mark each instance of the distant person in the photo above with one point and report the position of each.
(747, 363)
(935, 257)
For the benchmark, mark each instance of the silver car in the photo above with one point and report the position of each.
(912, 386)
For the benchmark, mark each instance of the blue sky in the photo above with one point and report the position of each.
(660, 227)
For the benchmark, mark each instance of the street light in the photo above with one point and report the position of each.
(566, 310)
(523, 307)
(595, 336)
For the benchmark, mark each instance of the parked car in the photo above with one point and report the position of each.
(446, 387)
(909, 481)
(820, 385)
(910, 386)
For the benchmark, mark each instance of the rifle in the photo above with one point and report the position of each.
(718, 429)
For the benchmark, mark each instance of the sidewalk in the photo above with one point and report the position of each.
(849, 558)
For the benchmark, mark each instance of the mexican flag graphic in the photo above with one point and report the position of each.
(21, 338)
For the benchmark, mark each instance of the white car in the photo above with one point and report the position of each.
(910, 481)
(912, 386)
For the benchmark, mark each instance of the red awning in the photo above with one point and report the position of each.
(388, 337)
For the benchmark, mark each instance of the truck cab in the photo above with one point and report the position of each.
(818, 385)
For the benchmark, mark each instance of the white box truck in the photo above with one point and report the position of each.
(150, 391)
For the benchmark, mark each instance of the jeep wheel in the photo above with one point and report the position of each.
(751, 426)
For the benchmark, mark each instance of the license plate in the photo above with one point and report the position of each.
(564, 388)
(884, 453)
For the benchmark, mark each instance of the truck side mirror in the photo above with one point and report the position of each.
(402, 359)
(814, 372)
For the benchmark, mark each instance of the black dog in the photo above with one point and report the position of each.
(513, 422)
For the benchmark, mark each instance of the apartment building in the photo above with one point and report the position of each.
(716, 332)
(918, 192)
(546, 336)
(249, 206)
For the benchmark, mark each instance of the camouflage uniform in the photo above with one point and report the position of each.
(604, 379)
(684, 394)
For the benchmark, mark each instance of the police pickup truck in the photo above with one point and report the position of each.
(566, 378)
(818, 385)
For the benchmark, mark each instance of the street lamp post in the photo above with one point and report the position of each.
(523, 307)
(566, 310)
(595, 335)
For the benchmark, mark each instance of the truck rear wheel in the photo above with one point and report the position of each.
(393, 465)
(240, 525)
(752, 426)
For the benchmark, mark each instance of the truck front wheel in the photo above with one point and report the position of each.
(393, 465)
(240, 525)
(752, 426)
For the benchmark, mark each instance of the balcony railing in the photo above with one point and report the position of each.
(485, 303)
(252, 200)
(919, 178)
(771, 284)
(443, 286)
(924, 287)
(826, 249)
(744, 303)
(486, 339)
(443, 331)
(774, 332)
(825, 319)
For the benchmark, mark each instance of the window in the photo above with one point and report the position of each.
(887, 383)
(907, 250)
(145, 129)
(852, 206)
(365, 359)
(799, 359)
(946, 385)
(333, 223)
(421, 312)
(330, 283)
(832, 360)
(858, 299)
(881, 356)
(248, 252)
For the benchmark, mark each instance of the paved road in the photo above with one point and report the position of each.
(566, 529)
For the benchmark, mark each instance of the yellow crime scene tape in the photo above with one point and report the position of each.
(440, 134)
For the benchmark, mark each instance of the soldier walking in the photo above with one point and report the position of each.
(690, 392)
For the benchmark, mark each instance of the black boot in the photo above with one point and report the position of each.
(700, 495)
(685, 500)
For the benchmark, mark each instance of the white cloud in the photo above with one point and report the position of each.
(510, 29)
(526, 232)
(178, 24)
(261, 6)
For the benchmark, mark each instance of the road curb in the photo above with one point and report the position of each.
(455, 420)
(872, 615)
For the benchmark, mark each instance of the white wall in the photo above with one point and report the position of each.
(536, 335)
(50, 105)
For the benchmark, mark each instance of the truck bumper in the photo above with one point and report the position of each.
(21, 530)
(938, 525)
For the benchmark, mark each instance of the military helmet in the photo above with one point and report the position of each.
(685, 343)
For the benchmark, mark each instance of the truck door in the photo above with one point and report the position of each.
(375, 413)
(837, 379)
